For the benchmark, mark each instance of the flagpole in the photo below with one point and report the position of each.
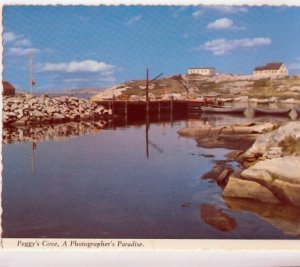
(31, 72)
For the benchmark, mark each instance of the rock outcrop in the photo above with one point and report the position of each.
(274, 175)
(267, 143)
(240, 188)
(238, 136)
(28, 109)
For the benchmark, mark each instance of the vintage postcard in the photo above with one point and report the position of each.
(142, 127)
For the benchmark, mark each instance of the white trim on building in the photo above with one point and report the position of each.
(272, 70)
(205, 71)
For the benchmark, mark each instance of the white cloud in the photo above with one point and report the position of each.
(9, 37)
(197, 13)
(20, 51)
(222, 46)
(223, 24)
(17, 45)
(219, 24)
(79, 66)
(133, 20)
(22, 42)
(16, 39)
(229, 9)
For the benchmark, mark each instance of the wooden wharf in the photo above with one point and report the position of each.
(141, 108)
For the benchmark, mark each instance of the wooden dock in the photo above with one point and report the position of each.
(141, 108)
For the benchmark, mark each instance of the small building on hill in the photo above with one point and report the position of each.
(8, 89)
(205, 71)
(272, 70)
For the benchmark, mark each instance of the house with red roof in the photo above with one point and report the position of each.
(8, 89)
(272, 70)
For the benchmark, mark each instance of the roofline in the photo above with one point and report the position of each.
(202, 68)
(265, 67)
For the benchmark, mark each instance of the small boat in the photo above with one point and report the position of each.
(273, 112)
(224, 110)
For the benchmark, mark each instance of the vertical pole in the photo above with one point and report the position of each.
(187, 84)
(147, 112)
(126, 107)
(147, 91)
(172, 98)
(147, 138)
(30, 72)
(172, 104)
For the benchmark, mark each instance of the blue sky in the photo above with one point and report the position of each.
(80, 46)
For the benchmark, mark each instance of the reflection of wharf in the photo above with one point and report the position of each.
(140, 108)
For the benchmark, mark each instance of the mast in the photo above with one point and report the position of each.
(30, 73)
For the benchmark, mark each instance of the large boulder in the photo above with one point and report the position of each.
(279, 175)
(271, 181)
(240, 188)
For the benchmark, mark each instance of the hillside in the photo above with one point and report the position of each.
(225, 85)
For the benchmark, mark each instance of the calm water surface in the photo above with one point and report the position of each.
(103, 184)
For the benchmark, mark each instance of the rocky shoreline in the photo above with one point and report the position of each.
(269, 161)
(271, 168)
(27, 109)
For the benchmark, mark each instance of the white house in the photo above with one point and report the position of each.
(272, 70)
(205, 71)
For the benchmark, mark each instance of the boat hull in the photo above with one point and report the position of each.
(276, 112)
(223, 110)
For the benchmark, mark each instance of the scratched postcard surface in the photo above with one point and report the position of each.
(150, 126)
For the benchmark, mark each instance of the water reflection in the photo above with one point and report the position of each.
(55, 132)
(217, 218)
(286, 218)
(33, 148)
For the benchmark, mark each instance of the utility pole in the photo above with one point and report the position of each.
(147, 108)
(149, 82)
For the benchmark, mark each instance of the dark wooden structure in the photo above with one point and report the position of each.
(8, 89)
(142, 108)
